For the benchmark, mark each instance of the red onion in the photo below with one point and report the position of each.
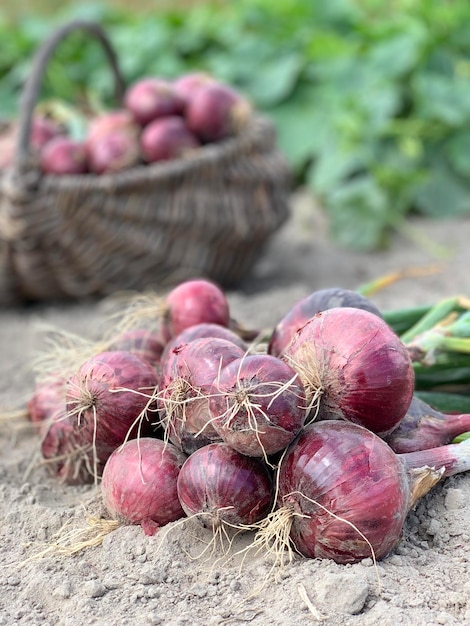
(112, 142)
(216, 111)
(119, 120)
(139, 483)
(355, 365)
(200, 331)
(194, 302)
(68, 456)
(187, 84)
(43, 129)
(424, 427)
(146, 344)
(257, 404)
(113, 152)
(309, 306)
(221, 486)
(186, 379)
(152, 97)
(109, 398)
(62, 155)
(47, 399)
(167, 138)
(191, 302)
(345, 493)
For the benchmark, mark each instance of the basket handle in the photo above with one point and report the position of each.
(30, 94)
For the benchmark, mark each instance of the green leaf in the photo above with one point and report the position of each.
(301, 126)
(328, 44)
(8, 104)
(443, 194)
(358, 214)
(461, 438)
(458, 151)
(274, 80)
(396, 56)
(443, 98)
(332, 167)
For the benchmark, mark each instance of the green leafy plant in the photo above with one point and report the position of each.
(371, 99)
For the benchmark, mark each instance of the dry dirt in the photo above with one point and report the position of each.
(135, 579)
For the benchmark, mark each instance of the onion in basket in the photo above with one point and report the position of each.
(216, 111)
(113, 142)
(152, 97)
(167, 138)
(63, 155)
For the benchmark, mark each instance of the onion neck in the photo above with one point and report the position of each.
(427, 432)
(454, 425)
(443, 461)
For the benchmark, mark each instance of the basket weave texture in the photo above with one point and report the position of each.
(208, 214)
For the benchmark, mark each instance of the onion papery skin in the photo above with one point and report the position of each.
(219, 484)
(359, 365)
(107, 395)
(309, 306)
(249, 410)
(139, 483)
(194, 302)
(356, 476)
(186, 380)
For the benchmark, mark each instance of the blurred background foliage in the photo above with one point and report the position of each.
(371, 98)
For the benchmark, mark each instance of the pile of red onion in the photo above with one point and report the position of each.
(313, 439)
(159, 120)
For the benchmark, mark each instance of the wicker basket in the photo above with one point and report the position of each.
(149, 226)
